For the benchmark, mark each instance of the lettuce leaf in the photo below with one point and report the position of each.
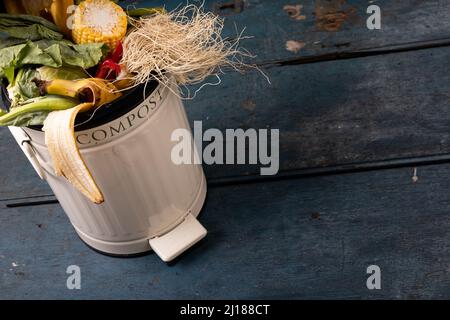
(76, 55)
(51, 53)
(17, 29)
(34, 32)
(25, 86)
(65, 73)
(22, 88)
(23, 20)
(6, 41)
(31, 40)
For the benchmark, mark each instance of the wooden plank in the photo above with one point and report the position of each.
(326, 27)
(304, 238)
(18, 178)
(249, 102)
(339, 113)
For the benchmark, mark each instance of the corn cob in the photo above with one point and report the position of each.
(99, 21)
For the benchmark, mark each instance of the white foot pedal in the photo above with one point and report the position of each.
(178, 240)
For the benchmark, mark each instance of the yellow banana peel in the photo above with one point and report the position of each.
(95, 90)
(66, 157)
(60, 133)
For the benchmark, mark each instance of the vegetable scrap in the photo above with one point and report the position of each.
(99, 21)
(56, 62)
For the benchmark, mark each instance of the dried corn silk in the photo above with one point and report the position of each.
(186, 45)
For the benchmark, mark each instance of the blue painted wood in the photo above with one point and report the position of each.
(329, 114)
(304, 238)
(309, 132)
(298, 238)
(18, 178)
(337, 112)
(328, 26)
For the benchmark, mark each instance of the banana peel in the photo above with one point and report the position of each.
(60, 133)
(66, 157)
(95, 90)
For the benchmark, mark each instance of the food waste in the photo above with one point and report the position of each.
(60, 58)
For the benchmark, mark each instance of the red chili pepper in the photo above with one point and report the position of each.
(117, 55)
(108, 70)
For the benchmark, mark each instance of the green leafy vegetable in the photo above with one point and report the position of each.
(34, 32)
(27, 42)
(17, 29)
(23, 88)
(66, 53)
(77, 55)
(28, 88)
(8, 72)
(65, 73)
(27, 119)
(23, 20)
(6, 41)
(52, 53)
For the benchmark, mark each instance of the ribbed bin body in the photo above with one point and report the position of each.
(146, 194)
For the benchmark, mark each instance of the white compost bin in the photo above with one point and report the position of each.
(150, 202)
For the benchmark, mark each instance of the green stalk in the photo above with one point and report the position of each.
(145, 11)
(41, 104)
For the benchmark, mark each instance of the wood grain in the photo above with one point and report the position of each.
(329, 114)
(18, 178)
(338, 112)
(327, 27)
(345, 99)
(302, 238)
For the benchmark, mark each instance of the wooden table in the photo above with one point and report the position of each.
(364, 170)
